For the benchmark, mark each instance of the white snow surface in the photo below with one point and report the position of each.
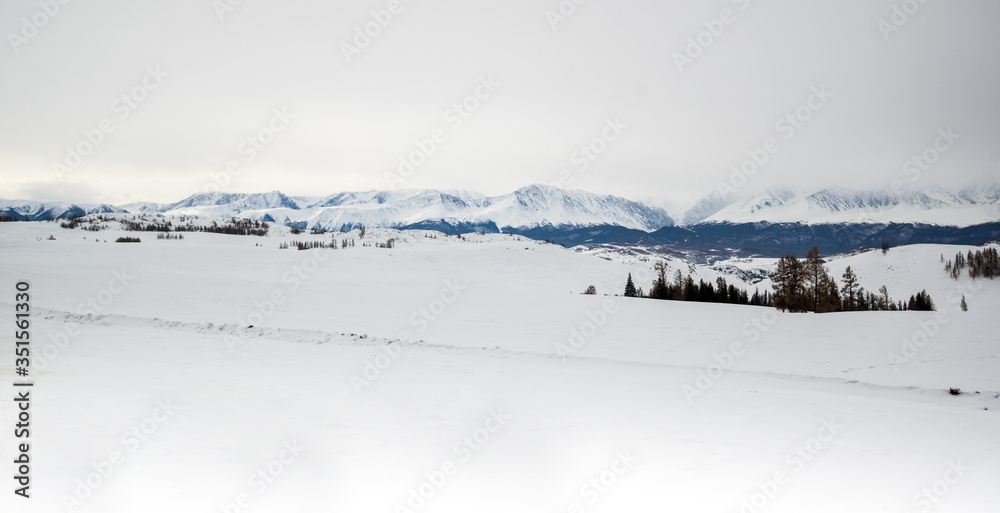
(532, 206)
(178, 333)
(932, 205)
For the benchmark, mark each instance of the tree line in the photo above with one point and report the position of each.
(684, 288)
(983, 263)
(806, 286)
(332, 244)
(90, 225)
(799, 286)
(233, 226)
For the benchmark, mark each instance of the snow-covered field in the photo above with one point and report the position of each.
(473, 376)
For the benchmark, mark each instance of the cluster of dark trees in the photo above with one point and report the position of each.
(127, 239)
(799, 286)
(683, 288)
(344, 243)
(233, 226)
(90, 225)
(4, 218)
(144, 226)
(921, 301)
(314, 231)
(806, 286)
(981, 264)
(310, 244)
(170, 236)
(389, 244)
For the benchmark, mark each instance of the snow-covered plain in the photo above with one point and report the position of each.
(477, 374)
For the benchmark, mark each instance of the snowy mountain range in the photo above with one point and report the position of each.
(45, 210)
(933, 205)
(772, 222)
(529, 207)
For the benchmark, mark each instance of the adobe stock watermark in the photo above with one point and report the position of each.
(933, 494)
(929, 329)
(122, 107)
(918, 164)
(366, 33)
(224, 7)
(563, 12)
(787, 126)
(900, 16)
(131, 440)
(796, 460)
(599, 485)
(92, 305)
(579, 336)
(262, 478)
(714, 29)
(250, 148)
(32, 25)
(420, 320)
(453, 118)
(435, 480)
(707, 377)
(291, 280)
(588, 153)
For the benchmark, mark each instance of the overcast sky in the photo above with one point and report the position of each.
(204, 77)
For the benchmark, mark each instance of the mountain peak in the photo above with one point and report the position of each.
(930, 205)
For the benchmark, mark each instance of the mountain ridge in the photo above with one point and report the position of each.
(528, 207)
(543, 207)
(832, 205)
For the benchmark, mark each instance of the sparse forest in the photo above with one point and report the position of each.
(683, 288)
(332, 244)
(799, 286)
(983, 263)
(806, 286)
(89, 224)
(232, 226)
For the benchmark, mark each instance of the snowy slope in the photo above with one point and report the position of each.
(478, 325)
(545, 206)
(143, 207)
(537, 205)
(222, 205)
(44, 211)
(933, 205)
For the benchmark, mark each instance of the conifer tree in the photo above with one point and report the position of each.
(814, 273)
(828, 294)
(659, 288)
(850, 289)
(884, 300)
(630, 290)
(788, 285)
